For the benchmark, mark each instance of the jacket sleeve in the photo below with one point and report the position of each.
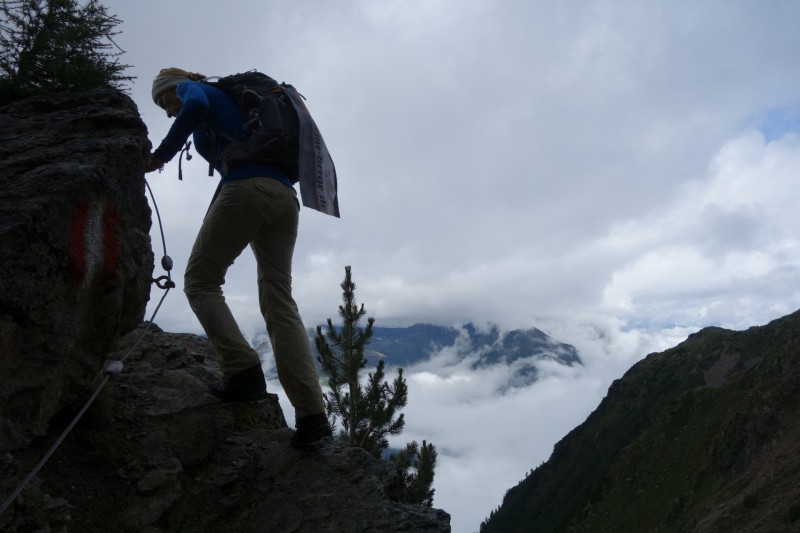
(192, 114)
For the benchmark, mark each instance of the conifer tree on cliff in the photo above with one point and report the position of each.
(54, 45)
(418, 465)
(369, 412)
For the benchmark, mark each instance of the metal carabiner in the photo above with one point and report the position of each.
(164, 282)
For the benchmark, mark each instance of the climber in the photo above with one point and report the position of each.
(257, 206)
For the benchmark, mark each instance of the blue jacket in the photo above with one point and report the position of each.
(204, 104)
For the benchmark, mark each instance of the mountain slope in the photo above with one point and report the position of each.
(702, 437)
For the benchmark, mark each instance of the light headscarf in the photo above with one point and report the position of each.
(162, 84)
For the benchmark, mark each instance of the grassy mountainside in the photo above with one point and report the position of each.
(702, 437)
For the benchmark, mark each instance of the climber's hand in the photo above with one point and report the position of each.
(153, 163)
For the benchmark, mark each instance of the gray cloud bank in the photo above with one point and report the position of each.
(617, 174)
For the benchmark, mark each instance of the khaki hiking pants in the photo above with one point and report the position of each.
(263, 213)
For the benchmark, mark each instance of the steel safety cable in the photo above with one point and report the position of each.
(163, 282)
(113, 368)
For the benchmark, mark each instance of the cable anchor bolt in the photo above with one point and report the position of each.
(113, 368)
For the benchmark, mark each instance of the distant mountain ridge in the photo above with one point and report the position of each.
(409, 346)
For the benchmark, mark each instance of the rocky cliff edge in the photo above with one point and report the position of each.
(154, 451)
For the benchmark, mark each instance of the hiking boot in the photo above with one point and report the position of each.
(310, 429)
(246, 386)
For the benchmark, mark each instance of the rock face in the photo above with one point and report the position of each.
(158, 453)
(75, 256)
(702, 437)
(154, 451)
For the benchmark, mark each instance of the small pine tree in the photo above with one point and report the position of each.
(368, 413)
(54, 45)
(418, 465)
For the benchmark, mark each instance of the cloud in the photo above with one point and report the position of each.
(487, 441)
(617, 175)
(728, 238)
(487, 436)
(478, 157)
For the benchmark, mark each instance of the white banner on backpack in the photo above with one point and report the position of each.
(318, 186)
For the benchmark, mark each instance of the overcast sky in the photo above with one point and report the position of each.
(617, 173)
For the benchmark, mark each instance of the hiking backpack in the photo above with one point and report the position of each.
(271, 120)
(282, 133)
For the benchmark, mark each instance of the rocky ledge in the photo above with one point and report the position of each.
(157, 452)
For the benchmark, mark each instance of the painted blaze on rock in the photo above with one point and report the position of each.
(75, 256)
(94, 241)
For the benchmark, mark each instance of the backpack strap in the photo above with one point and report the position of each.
(212, 143)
